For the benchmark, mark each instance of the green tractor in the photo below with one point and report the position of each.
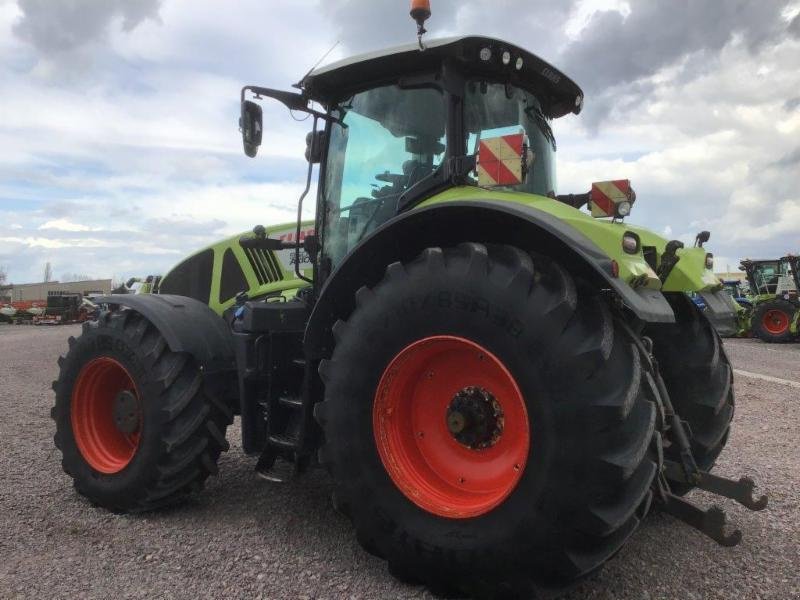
(774, 285)
(501, 386)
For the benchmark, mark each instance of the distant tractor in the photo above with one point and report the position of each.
(500, 385)
(146, 285)
(736, 289)
(62, 308)
(774, 288)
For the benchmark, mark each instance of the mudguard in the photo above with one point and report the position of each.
(447, 224)
(187, 325)
(721, 311)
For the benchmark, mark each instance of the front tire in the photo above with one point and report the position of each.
(699, 378)
(584, 421)
(138, 426)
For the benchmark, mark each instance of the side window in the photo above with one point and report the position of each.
(233, 280)
(191, 278)
(390, 139)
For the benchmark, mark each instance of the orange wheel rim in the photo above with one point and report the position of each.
(105, 413)
(451, 427)
(775, 321)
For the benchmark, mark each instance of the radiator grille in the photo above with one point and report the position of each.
(264, 265)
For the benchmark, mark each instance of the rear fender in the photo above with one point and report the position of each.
(447, 224)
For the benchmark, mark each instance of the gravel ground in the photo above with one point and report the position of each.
(245, 538)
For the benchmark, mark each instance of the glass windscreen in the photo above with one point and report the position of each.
(492, 110)
(389, 139)
(767, 276)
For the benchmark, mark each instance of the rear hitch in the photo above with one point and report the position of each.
(711, 522)
(741, 491)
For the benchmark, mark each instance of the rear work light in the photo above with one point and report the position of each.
(630, 242)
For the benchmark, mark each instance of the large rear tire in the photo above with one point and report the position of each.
(699, 379)
(139, 426)
(772, 321)
(546, 493)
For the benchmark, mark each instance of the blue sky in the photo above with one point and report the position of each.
(119, 151)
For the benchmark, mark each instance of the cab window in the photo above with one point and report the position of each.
(389, 138)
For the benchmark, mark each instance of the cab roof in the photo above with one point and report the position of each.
(558, 94)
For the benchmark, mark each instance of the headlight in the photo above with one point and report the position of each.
(506, 57)
(623, 209)
(710, 262)
(486, 54)
(630, 242)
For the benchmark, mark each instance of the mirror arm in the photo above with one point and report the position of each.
(290, 100)
(251, 243)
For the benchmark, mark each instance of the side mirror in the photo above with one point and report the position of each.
(315, 140)
(251, 127)
(702, 238)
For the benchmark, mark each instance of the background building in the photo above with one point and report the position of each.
(738, 275)
(38, 291)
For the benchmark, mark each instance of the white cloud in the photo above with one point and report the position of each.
(131, 158)
(66, 225)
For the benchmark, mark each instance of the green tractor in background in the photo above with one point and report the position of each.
(774, 285)
(500, 385)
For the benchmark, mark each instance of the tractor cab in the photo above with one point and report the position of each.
(402, 125)
(768, 277)
(774, 286)
(793, 261)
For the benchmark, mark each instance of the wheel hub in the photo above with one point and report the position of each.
(475, 418)
(105, 414)
(126, 412)
(451, 426)
(776, 321)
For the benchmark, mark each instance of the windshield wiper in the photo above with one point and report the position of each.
(541, 121)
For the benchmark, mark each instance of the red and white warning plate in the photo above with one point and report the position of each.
(500, 160)
(607, 194)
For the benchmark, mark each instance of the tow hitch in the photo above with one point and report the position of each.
(741, 491)
(712, 521)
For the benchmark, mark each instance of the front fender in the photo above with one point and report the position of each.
(722, 311)
(187, 325)
(690, 273)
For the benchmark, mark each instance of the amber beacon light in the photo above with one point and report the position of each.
(420, 11)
